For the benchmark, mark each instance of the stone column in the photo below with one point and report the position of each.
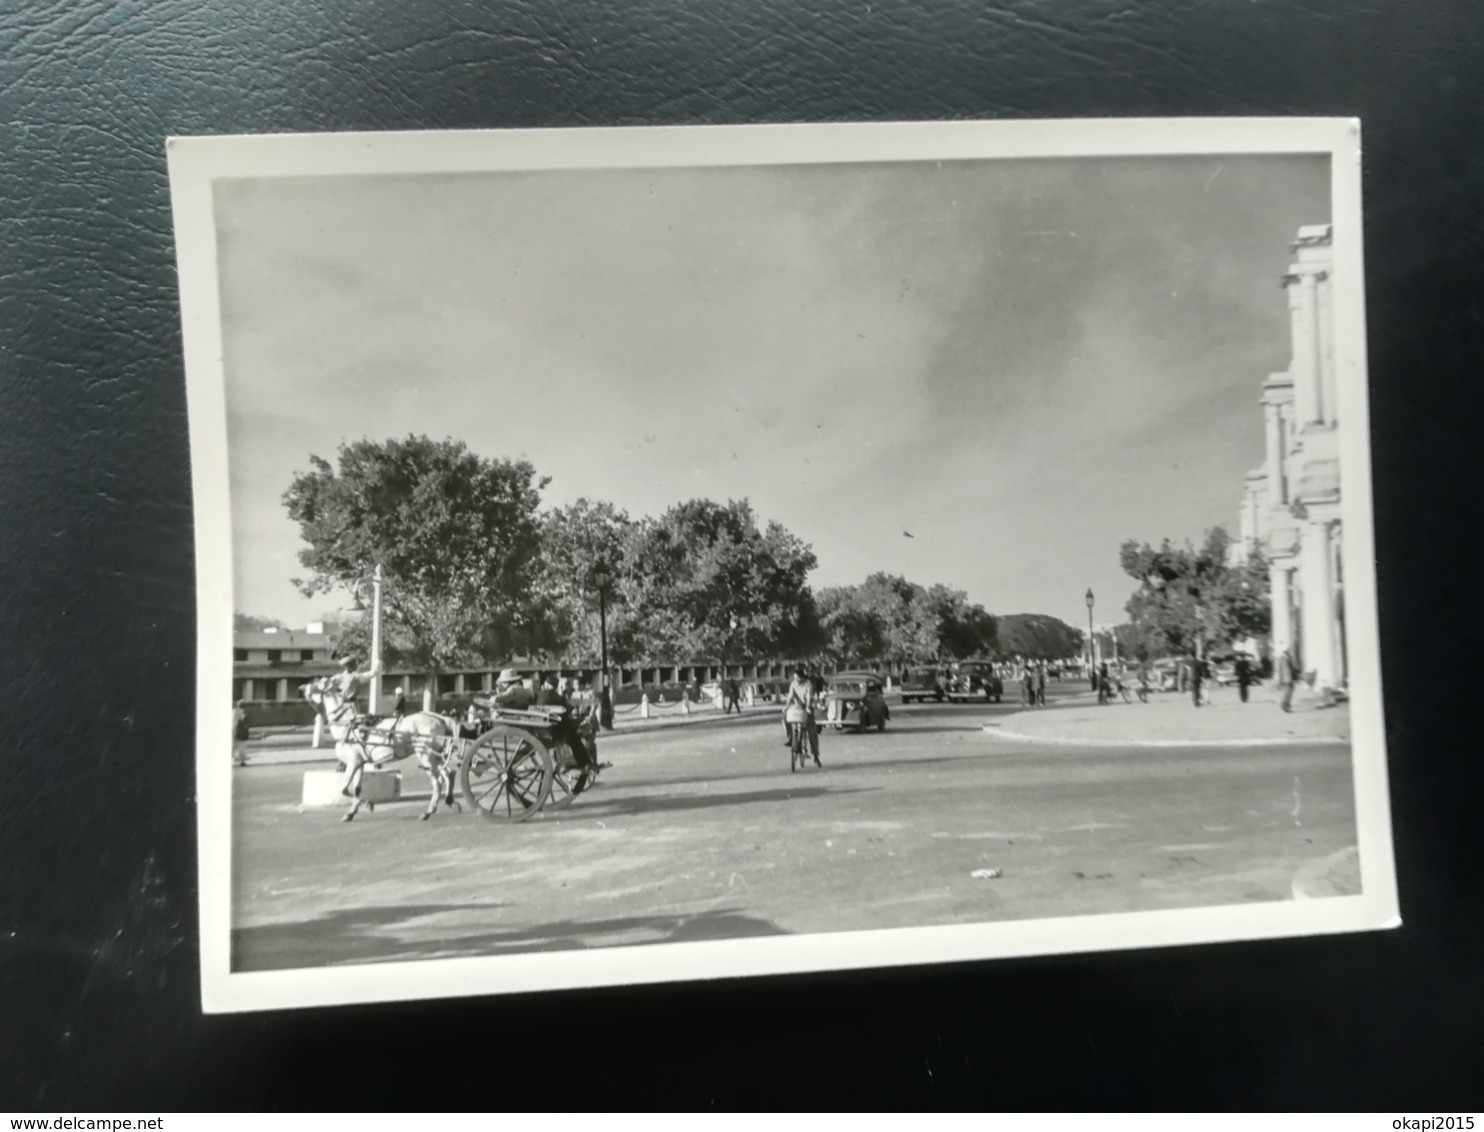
(1280, 579)
(1273, 421)
(1319, 605)
(282, 694)
(1324, 348)
(1303, 323)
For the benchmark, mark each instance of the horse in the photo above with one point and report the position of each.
(362, 741)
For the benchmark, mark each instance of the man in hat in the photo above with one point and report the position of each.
(511, 692)
(348, 683)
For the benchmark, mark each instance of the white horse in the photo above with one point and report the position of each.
(360, 743)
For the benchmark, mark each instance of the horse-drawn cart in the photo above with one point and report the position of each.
(509, 764)
(519, 764)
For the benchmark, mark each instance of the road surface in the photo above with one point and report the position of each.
(702, 833)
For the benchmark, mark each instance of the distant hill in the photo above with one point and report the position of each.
(1038, 636)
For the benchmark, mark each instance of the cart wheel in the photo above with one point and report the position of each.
(506, 774)
(565, 773)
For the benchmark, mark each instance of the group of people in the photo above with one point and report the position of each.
(1033, 684)
(1195, 676)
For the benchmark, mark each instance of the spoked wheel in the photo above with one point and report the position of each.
(566, 779)
(506, 774)
(795, 747)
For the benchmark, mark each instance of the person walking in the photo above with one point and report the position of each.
(399, 709)
(1197, 680)
(240, 734)
(1041, 684)
(1244, 675)
(1287, 676)
(605, 706)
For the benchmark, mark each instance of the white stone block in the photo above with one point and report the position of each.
(322, 787)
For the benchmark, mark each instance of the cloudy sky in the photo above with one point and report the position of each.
(1020, 362)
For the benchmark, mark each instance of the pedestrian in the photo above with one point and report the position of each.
(1287, 672)
(349, 682)
(1105, 686)
(399, 709)
(817, 687)
(1028, 685)
(1244, 675)
(1197, 679)
(733, 696)
(240, 734)
(1041, 685)
(605, 706)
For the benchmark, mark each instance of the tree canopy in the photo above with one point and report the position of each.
(1193, 598)
(585, 548)
(252, 623)
(476, 572)
(890, 619)
(457, 537)
(703, 580)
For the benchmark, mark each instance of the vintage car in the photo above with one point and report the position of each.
(855, 699)
(974, 680)
(924, 682)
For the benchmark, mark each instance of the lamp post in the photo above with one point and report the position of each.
(601, 580)
(374, 585)
(1092, 648)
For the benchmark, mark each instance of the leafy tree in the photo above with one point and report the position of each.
(1038, 636)
(1192, 598)
(890, 619)
(457, 537)
(703, 580)
(961, 630)
(585, 546)
(851, 632)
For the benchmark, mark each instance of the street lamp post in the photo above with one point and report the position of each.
(375, 693)
(601, 580)
(1092, 647)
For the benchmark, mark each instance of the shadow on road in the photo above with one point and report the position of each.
(366, 935)
(596, 803)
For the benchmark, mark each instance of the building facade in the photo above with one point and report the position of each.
(1291, 504)
(270, 666)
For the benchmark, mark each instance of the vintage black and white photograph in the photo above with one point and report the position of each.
(658, 554)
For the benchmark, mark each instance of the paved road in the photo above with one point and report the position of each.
(702, 833)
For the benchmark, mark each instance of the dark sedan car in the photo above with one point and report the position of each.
(924, 682)
(972, 680)
(855, 699)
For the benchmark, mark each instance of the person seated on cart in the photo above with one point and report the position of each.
(511, 692)
(513, 695)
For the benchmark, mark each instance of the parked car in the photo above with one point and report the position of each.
(855, 699)
(975, 679)
(1164, 675)
(924, 682)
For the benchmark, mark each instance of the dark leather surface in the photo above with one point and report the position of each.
(97, 890)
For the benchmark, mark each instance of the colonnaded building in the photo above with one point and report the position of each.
(1291, 504)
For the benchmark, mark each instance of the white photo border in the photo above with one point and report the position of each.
(195, 162)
